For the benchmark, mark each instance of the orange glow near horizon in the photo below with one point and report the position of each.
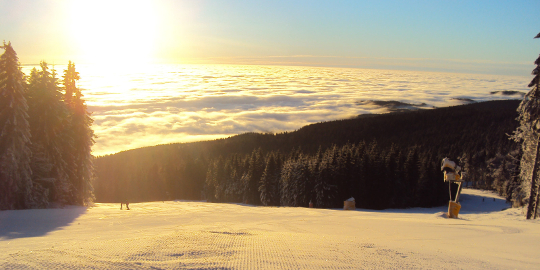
(115, 31)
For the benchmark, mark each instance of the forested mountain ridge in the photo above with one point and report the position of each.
(387, 160)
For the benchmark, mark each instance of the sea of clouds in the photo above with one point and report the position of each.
(134, 107)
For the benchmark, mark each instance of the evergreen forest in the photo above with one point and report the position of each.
(45, 137)
(383, 161)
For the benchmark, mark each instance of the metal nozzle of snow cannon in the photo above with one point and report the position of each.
(447, 163)
(451, 171)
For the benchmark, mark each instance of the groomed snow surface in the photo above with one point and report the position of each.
(200, 235)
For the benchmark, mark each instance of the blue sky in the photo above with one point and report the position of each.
(458, 36)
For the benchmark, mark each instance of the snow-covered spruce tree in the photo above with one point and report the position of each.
(305, 182)
(268, 186)
(292, 181)
(392, 174)
(210, 186)
(325, 189)
(81, 167)
(253, 177)
(528, 132)
(49, 122)
(234, 191)
(226, 181)
(219, 180)
(501, 170)
(525, 135)
(15, 172)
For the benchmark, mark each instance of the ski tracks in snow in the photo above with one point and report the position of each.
(199, 235)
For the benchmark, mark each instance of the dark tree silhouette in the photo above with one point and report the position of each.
(80, 165)
(49, 118)
(15, 172)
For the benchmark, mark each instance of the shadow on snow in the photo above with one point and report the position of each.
(470, 204)
(36, 222)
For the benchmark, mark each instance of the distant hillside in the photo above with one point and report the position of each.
(476, 133)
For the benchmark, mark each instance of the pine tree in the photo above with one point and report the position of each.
(325, 189)
(286, 184)
(81, 169)
(220, 177)
(234, 190)
(526, 137)
(268, 186)
(214, 178)
(424, 195)
(395, 183)
(411, 171)
(529, 118)
(15, 172)
(304, 182)
(209, 183)
(49, 123)
(314, 168)
(253, 177)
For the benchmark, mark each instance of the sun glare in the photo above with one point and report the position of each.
(115, 31)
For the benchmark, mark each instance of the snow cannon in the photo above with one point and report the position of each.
(451, 170)
(453, 177)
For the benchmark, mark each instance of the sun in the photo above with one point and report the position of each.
(115, 31)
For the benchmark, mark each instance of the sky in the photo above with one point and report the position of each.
(493, 37)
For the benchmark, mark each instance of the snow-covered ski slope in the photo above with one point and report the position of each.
(200, 235)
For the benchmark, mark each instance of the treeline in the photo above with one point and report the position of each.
(45, 137)
(376, 178)
(389, 160)
(163, 172)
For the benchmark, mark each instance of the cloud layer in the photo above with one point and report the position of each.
(162, 104)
